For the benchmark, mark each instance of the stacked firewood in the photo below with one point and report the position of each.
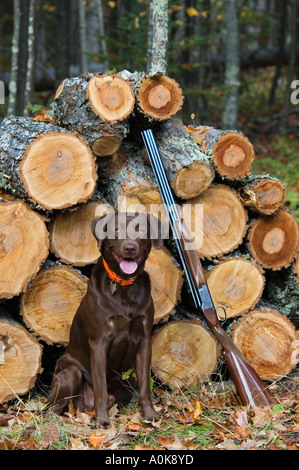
(84, 158)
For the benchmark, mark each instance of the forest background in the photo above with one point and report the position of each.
(243, 51)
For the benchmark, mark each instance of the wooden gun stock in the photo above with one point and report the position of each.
(249, 385)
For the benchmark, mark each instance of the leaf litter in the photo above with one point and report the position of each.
(189, 420)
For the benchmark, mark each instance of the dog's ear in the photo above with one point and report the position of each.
(99, 226)
(159, 231)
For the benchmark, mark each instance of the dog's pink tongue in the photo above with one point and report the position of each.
(128, 267)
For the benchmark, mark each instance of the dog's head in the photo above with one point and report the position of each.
(125, 239)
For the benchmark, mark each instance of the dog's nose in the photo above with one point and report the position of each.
(130, 248)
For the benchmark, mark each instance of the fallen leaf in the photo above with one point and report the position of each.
(228, 444)
(50, 436)
(198, 410)
(176, 444)
(96, 440)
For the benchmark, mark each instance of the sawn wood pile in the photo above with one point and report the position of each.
(84, 158)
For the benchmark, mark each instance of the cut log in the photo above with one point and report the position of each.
(263, 194)
(268, 341)
(224, 221)
(71, 238)
(184, 353)
(236, 284)
(20, 359)
(231, 151)
(44, 165)
(50, 302)
(128, 175)
(187, 168)
(161, 267)
(273, 241)
(93, 106)
(24, 245)
(159, 97)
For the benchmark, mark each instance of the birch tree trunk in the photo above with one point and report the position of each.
(14, 60)
(82, 23)
(157, 36)
(232, 64)
(30, 63)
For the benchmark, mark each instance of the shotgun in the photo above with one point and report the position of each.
(249, 385)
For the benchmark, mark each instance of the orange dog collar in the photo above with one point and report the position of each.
(114, 277)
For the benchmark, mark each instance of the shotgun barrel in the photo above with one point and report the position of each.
(251, 388)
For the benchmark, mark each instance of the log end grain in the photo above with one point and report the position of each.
(111, 97)
(71, 238)
(233, 155)
(184, 353)
(268, 341)
(193, 180)
(24, 245)
(50, 302)
(223, 224)
(106, 145)
(273, 241)
(236, 284)
(58, 170)
(159, 97)
(264, 195)
(20, 361)
(165, 294)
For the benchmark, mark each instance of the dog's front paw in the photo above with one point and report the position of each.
(150, 413)
(102, 420)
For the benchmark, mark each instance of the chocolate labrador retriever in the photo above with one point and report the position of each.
(111, 331)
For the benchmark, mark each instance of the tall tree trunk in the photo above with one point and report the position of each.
(281, 44)
(31, 53)
(22, 57)
(232, 64)
(157, 36)
(62, 52)
(82, 27)
(103, 44)
(14, 60)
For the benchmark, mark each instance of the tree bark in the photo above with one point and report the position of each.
(188, 169)
(95, 106)
(31, 56)
(44, 165)
(157, 37)
(83, 33)
(13, 82)
(232, 65)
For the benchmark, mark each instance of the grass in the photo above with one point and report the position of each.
(205, 418)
